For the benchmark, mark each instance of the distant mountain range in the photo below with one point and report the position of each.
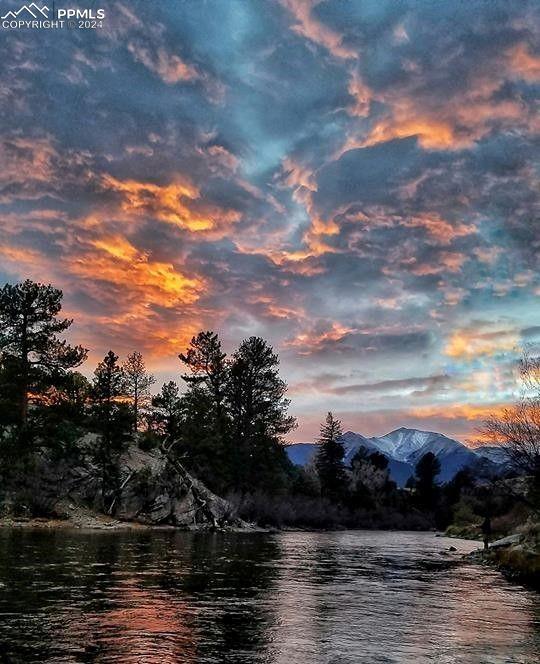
(404, 448)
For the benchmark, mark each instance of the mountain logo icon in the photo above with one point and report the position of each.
(28, 11)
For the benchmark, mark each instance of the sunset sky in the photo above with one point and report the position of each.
(353, 180)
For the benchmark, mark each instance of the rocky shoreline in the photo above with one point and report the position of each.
(517, 557)
(152, 490)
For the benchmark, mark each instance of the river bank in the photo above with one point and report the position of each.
(98, 522)
(517, 556)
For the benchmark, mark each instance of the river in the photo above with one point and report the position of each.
(286, 598)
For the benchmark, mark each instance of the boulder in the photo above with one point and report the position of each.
(506, 541)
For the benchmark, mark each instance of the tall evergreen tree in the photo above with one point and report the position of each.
(329, 460)
(137, 384)
(426, 470)
(258, 410)
(207, 366)
(204, 437)
(112, 419)
(108, 396)
(29, 342)
(166, 412)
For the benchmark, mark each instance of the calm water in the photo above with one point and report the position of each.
(291, 598)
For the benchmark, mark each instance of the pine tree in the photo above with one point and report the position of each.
(258, 410)
(329, 460)
(166, 412)
(205, 425)
(112, 419)
(137, 384)
(426, 470)
(29, 342)
(206, 363)
(108, 395)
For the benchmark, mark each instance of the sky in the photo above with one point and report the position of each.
(356, 181)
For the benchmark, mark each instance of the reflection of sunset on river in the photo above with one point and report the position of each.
(147, 625)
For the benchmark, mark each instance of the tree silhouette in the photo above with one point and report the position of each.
(426, 470)
(137, 384)
(112, 419)
(108, 392)
(29, 343)
(206, 363)
(204, 440)
(518, 428)
(329, 460)
(258, 411)
(166, 412)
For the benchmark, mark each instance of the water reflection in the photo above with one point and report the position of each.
(289, 598)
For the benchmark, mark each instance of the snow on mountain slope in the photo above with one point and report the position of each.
(403, 443)
(352, 442)
(452, 456)
(495, 453)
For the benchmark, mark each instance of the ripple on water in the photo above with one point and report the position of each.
(289, 598)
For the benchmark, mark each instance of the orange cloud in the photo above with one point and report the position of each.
(432, 134)
(487, 254)
(19, 254)
(172, 203)
(453, 295)
(446, 261)
(312, 29)
(362, 96)
(312, 340)
(523, 64)
(169, 67)
(219, 159)
(29, 168)
(470, 343)
(274, 309)
(469, 412)
(439, 229)
(455, 123)
(119, 263)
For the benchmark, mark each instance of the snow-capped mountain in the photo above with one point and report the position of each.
(404, 448)
(403, 443)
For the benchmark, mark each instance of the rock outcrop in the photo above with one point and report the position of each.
(156, 489)
(153, 488)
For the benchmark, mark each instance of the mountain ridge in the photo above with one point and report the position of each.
(403, 447)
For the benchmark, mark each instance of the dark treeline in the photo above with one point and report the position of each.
(227, 425)
(226, 422)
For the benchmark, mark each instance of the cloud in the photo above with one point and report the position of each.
(395, 386)
(327, 338)
(170, 68)
(523, 63)
(471, 343)
(308, 26)
(144, 282)
(175, 203)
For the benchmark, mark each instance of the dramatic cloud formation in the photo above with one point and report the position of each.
(355, 181)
